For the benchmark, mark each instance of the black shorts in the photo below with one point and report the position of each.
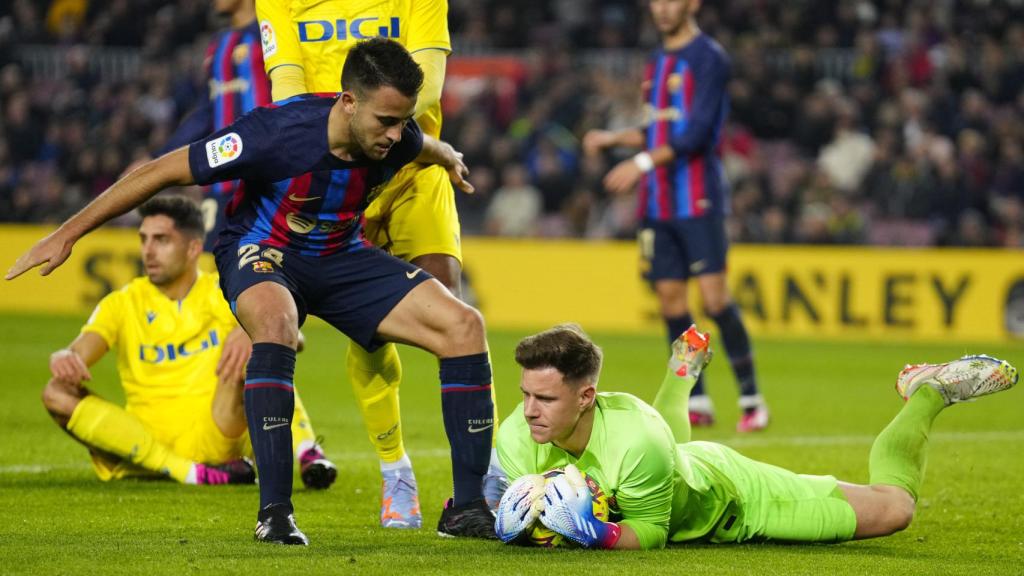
(679, 249)
(352, 291)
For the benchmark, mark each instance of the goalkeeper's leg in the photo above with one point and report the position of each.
(898, 455)
(691, 352)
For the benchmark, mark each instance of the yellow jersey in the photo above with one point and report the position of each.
(316, 35)
(167, 350)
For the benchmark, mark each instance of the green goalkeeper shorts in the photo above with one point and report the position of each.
(771, 503)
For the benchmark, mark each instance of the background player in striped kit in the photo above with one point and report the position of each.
(683, 193)
(236, 83)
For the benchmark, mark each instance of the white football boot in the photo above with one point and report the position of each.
(961, 380)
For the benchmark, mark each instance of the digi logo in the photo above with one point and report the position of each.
(151, 354)
(357, 29)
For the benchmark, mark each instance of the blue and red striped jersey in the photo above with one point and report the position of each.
(686, 105)
(236, 83)
(295, 194)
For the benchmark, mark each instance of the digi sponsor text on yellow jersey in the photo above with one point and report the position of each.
(167, 350)
(317, 35)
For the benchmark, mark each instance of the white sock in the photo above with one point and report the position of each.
(191, 477)
(752, 401)
(494, 468)
(701, 403)
(404, 462)
(303, 446)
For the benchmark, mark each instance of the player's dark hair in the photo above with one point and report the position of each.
(378, 62)
(185, 213)
(566, 348)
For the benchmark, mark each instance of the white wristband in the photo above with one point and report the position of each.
(644, 162)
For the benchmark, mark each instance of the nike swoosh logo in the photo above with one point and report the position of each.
(295, 198)
(473, 430)
(272, 426)
(411, 275)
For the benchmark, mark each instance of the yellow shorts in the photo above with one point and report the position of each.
(415, 214)
(201, 441)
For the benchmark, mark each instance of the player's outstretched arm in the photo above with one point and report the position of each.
(127, 193)
(438, 152)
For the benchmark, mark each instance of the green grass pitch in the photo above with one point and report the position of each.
(827, 400)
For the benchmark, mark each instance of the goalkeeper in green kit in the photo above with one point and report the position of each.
(661, 487)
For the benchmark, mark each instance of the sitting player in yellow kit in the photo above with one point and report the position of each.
(413, 217)
(181, 357)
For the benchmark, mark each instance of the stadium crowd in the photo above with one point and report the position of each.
(883, 122)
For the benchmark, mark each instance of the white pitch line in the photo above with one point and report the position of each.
(735, 441)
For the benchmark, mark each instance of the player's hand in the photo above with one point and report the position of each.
(51, 252)
(68, 365)
(457, 169)
(569, 511)
(594, 141)
(458, 173)
(235, 356)
(623, 178)
(520, 507)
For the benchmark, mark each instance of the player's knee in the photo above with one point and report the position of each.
(714, 306)
(277, 326)
(894, 512)
(58, 398)
(901, 514)
(672, 298)
(466, 331)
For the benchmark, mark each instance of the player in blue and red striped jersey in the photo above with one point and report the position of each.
(237, 83)
(683, 192)
(293, 246)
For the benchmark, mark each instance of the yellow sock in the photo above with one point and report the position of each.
(110, 428)
(375, 379)
(302, 428)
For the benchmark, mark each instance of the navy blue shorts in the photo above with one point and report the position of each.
(352, 291)
(679, 249)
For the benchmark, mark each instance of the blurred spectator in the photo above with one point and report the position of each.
(854, 121)
(516, 207)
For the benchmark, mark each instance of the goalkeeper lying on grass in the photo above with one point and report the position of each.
(661, 487)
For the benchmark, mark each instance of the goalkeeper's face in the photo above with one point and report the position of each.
(167, 253)
(553, 407)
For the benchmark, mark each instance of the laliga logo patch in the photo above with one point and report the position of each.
(224, 149)
(267, 38)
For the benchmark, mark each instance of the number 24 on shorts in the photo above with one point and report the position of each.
(248, 253)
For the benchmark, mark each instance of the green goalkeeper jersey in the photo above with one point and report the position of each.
(659, 489)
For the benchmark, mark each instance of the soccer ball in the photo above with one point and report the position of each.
(540, 535)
